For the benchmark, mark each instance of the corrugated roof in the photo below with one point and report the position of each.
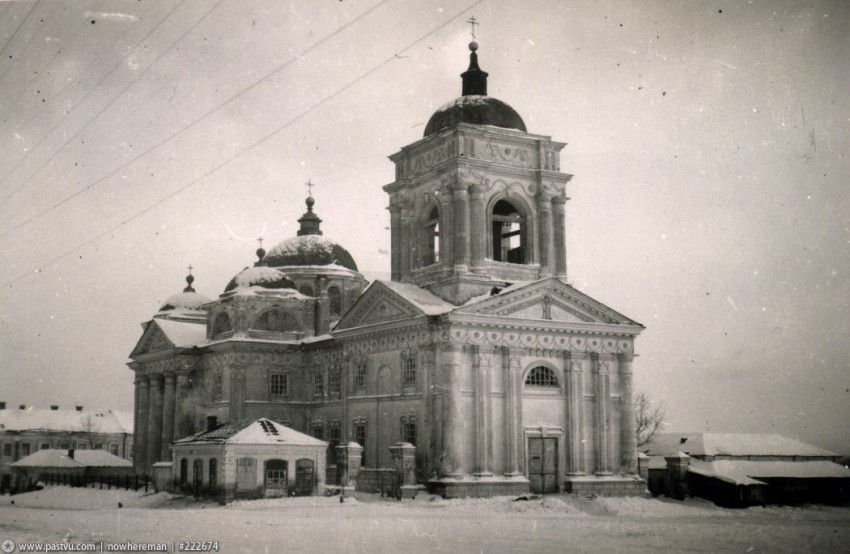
(253, 431)
(72, 421)
(82, 458)
(731, 444)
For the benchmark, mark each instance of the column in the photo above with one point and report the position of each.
(395, 242)
(446, 225)
(167, 417)
(181, 427)
(452, 462)
(410, 254)
(602, 430)
(154, 435)
(574, 364)
(460, 228)
(544, 216)
(559, 213)
(140, 425)
(513, 401)
(481, 368)
(478, 228)
(628, 462)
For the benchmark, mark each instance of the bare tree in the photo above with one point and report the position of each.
(89, 430)
(648, 418)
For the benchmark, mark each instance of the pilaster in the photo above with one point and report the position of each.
(140, 424)
(544, 216)
(460, 228)
(560, 238)
(452, 362)
(181, 427)
(628, 463)
(478, 237)
(154, 435)
(167, 417)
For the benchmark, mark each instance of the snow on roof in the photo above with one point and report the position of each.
(183, 334)
(732, 444)
(488, 295)
(258, 275)
(749, 472)
(421, 298)
(91, 421)
(188, 300)
(82, 458)
(254, 431)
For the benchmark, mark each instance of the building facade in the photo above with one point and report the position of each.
(477, 351)
(27, 430)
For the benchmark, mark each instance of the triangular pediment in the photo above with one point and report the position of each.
(548, 299)
(378, 304)
(153, 340)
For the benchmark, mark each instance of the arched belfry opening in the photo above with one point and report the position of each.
(431, 237)
(509, 232)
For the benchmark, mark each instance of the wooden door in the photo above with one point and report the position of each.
(543, 464)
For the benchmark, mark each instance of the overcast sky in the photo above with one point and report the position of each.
(708, 143)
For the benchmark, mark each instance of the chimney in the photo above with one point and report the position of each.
(2, 405)
(22, 407)
(54, 407)
(71, 453)
(79, 408)
(212, 422)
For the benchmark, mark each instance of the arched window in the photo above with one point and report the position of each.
(509, 233)
(431, 232)
(541, 376)
(197, 473)
(184, 471)
(221, 324)
(306, 290)
(336, 300)
(275, 320)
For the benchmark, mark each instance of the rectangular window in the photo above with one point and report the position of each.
(360, 438)
(113, 449)
(408, 372)
(7, 449)
(279, 384)
(44, 446)
(334, 382)
(318, 384)
(98, 446)
(218, 385)
(334, 433)
(408, 429)
(25, 449)
(360, 375)
(319, 430)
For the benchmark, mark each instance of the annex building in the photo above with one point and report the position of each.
(478, 352)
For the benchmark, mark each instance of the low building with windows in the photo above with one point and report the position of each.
(68, 465)
(249, 458)
(744, 469)
(477, 351)
(26, 430)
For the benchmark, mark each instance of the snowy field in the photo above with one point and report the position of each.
(426, 524)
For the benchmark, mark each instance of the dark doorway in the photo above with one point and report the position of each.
(543, 464)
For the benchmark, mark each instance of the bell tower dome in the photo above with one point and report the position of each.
(479, 201)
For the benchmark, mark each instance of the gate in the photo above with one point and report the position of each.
(543, 464)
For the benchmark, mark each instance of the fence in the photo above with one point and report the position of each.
(126, 482)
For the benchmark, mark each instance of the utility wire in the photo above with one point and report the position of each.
(199, 119)
(249, 147)
(106, 107)
(12, 38)
(83, 99)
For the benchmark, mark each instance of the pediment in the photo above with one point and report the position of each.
(153, 340)
(379, 304)
(549, 300)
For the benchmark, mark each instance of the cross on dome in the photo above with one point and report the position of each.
(473, 22)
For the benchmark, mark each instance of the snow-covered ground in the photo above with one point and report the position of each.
(427, 524)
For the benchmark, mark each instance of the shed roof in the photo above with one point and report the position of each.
(732, 444)
(749, 472)
(53, 458)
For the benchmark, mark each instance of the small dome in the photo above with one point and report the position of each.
(260, 276)
(185, 301)
(307, 250)
(477, 110)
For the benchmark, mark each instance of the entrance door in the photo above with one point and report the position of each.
(543, 464)
(276, 478)
(304, 477)
(246, 476)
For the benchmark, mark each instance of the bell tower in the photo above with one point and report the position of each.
(478, 202)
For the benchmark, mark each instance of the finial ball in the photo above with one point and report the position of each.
(473, 46)
(310, 201)
(190, 279)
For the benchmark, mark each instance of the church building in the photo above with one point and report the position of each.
(478, 352)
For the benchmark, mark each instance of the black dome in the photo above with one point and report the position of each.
(308, 250)
(477, 110)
